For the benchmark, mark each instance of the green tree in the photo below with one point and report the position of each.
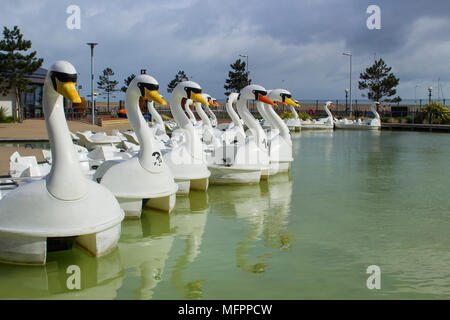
(179, 77)
(107, 85)
(238, 77)
(127, 82)
(15, 67)
(380, 82)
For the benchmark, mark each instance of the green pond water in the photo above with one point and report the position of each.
(353, 199)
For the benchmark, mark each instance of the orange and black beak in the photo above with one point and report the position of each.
(264, 99)
(280, 102)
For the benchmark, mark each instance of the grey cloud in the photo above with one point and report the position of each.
(300, 42)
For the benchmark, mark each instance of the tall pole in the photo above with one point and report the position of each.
(429, 94)
(346, 100)
(415, 97)
(246, 56)
(349, 54)
(92, 45)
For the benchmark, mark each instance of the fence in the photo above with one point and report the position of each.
(360, 108)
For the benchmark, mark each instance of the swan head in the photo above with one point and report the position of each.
(207, 98)
(254, 92)
(377, 104)
(283, 96)
(145, 86)
(62, 79)
(330, 104)
(189, 90)
(214, 102)
(233, 97)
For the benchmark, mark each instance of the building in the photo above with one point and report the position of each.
(32, 101)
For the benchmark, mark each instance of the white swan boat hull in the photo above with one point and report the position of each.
(312, 126)
(356, 126)
(233, 175)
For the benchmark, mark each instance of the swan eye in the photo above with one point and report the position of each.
(62, 77)
(149, 86)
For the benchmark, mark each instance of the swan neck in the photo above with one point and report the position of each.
(262, 111)
(65, 180)
(374, 110)
(156, 115)
(211, 114)
(190, 114)
(202, 114)
(251, 123)
(294, 112)
(328, 112)
(277, 122)
(193, 142)
(233, 115)
(142, 130)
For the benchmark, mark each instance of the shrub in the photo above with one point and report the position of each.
(435, 113)
(286, 115)
(409, 119)
(3, 117)
(2, 114)
(304, 116)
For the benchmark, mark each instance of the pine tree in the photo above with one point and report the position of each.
(106, 84)
(238, 78)
(127, 82)
(15, 67)
(380, 82)
(179, 77)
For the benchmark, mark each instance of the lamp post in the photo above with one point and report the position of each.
(415, 95)
(429, 94)
(349, 54)
(92, 45)
(246, 56)
(346, 100)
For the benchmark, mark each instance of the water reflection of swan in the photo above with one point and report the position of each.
(100, 278)
(264, 208)
(189, 223)
(146, 243)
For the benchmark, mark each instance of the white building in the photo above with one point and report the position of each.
(32, 102)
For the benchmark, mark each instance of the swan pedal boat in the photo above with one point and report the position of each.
(368, 124)
(65, 207)
(145, 180)
(247, 161)
(323, 123)
(186, 158)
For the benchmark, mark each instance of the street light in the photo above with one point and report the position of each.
(429, 94)
(246, 56)
(415, 94)
(346, 101)
(349, 54)
(92, 45)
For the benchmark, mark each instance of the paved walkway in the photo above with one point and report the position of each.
(35, 129)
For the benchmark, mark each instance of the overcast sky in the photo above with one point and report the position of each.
(297, 45)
